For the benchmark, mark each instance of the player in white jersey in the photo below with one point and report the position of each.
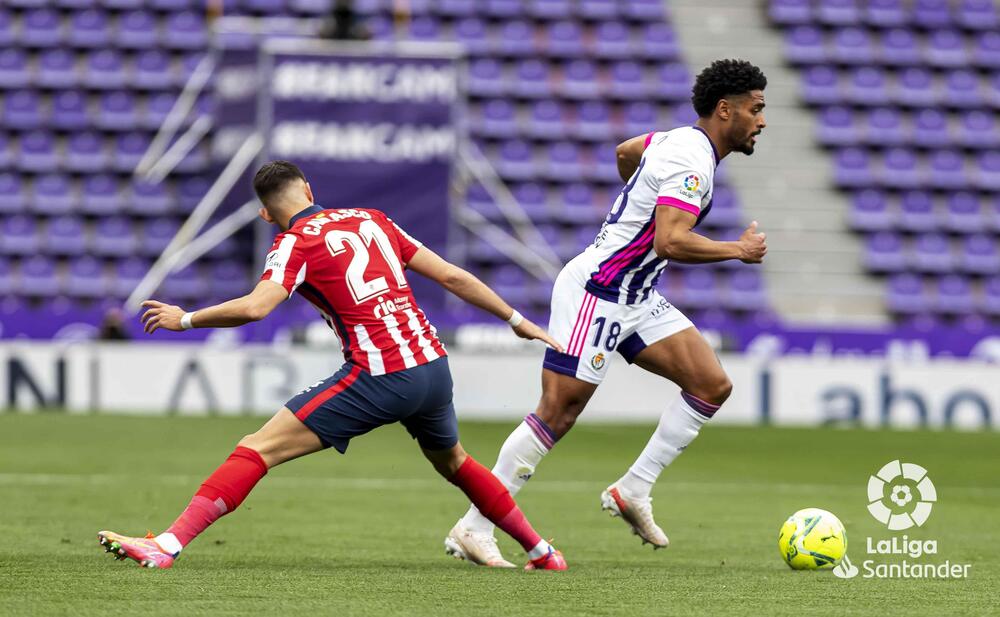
(605, 300)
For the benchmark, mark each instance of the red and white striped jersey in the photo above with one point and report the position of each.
(350, 265)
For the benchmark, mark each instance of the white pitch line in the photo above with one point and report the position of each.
(423, 484)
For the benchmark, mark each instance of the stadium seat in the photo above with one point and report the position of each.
(86, 152)
(128, 150)
(116, 111)
(38, 152)
(915, 88)
(613, 41)
(532, 79)
(979, 255)
(146, 199)
(885, 13)
(41, 28)
(643, 10)
(991, 297)
(867, 86)
(156, 235)
(8, 280)
(39, 277)
(151, 70)
(229, 279)
(66, 236)
(987, 177)
(932, 253)
(628, 80)
(12, 188)
(57, 69)
(698, 289)
(870, 212)
(185, 284)
(137, 30)
(505, 9)
(673, 83)
(19, 235)
(838, 12)
(114, 236)
(104, 70)
(53, 194)
(906, 295)
(593, 121)
(977, 15)
(22, 110)
(187, 31)
(791, 12)
(853, 46)
(69, 111)
(899, 48)
(486, 77)
(964, 213)
(745, 291)
(425, 28)
(954, 296)
(579, 80)
(157, 108)
(852, 168)
(14, 69)
(547, 9)
(85, 278)
(456, 8)
(563, 160)
(89, 28)
(100, 195)
(945, 49)
(820, 86)
(597, 10)
(127, 274)
(564, 39)
(930, 129)
(946, 170)
(976, 130)
(917, 212)
(884, 253)
(472, 34)
(931, 14)
(658, 43)
(640, 117)
(497, 118)
(836, 126)
(962, 89)
(986, 53)
(547, 120)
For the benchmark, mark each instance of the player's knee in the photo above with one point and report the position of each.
(560, 416)
(714, 390)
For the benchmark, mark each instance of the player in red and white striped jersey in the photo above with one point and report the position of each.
(350, 264)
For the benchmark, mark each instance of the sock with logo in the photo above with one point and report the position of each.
(678, 427)
(519, 455)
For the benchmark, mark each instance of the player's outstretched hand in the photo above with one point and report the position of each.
(160, 315)
(528, 329)
(752, 245)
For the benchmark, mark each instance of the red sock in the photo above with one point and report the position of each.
(493, 500)
(222, 492)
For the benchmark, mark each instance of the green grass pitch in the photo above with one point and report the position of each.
(362, 534)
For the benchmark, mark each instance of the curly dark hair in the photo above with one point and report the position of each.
(724, 78)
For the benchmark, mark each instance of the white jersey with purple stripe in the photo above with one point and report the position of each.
(676, 170)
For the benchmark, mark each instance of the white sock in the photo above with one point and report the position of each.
(169, 543)
(678, 427)
(516, 463)
(541, 550)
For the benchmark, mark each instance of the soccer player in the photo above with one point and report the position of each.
(350, 264)
(605, 300)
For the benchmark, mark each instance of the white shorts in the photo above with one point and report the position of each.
(590, 328)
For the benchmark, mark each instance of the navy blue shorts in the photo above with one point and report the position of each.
(352, 402)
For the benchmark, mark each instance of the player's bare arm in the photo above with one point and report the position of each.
(254, 306)
(469, 288)
(676, 240)
(628, 154)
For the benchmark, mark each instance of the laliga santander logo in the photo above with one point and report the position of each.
(910, 494)
(691, 183)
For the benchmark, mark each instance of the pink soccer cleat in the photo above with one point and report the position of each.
(553, 560)
(144, 551)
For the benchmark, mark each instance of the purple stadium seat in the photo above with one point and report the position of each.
(699, 288)
(852, 168)
(578, 204)
(977, 14)
(229, 279)
(868, 86)
(961, 89)
(533, 198)
(658, 43)
(563, 161)
(991, 297)
(517, 39)
(66, 235)
(725, 209)
(980, 255)
(185, 284)
(116, 111)
(53, 194)
(613, 41)
(899, 48)
(89, 29)
(22, 110)
(128, 150)
(885, 13)
(85, 278)
(853, 46)
(906, 295)
(137, 30)
(190, 191)
(884, 253)
(425, 28)
(172, 6)
(127, 274)
(146, 199)
(885, 127)
(954, 296)
(931, 14)
(917, 213)
(456, 8)
(41, 28)
(156, 109)
(820, 86)
(593, 121)
(482, 202)
(7, 155)
(380, 28)
(673, 82)
(988, 171)
(14, 195)
(152, 70)
(69, 111)
(837, 127)
(497, 118)
(628, 80)
(791, 12)
(643, 10)
(8, 281)
(745, 291)
(516, 160)
(187, 31)
(57, 68)
(915, 88)
(104, 69)
(38, 152)
(805, 45)
(640, 117)
(603, 165)
(267, 7)
(504, 9)
(580, 80)
(100, 194)
(930, 129)
(547, 120)
(156, 235)
(39, 277)
(114, 236)
(945, 49)
(86, 152)
(598, 10)
(869, 211)
(486, 77)
(932, 253)
(965, 213)
(947, 170)
(14, 69)
(19, 235)
(986, 53)
(471, 33)
(838, 12)
(511, 280)
(564, 39)
(993, 93)
(122, 5)
(8, 31)
(532, 79)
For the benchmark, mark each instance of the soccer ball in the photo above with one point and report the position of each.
(812, 539)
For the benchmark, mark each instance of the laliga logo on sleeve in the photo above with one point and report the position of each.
(901, 495)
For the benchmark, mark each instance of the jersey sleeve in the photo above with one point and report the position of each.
(683, 184)
(286, 263)
(408, 245)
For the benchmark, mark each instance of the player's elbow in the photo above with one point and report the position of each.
(453, 277)
(665, 248)
(255, 311)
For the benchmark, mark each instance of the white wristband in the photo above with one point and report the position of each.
(186, 321)
(515, 319)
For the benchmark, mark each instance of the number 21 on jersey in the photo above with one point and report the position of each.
(369, 234)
